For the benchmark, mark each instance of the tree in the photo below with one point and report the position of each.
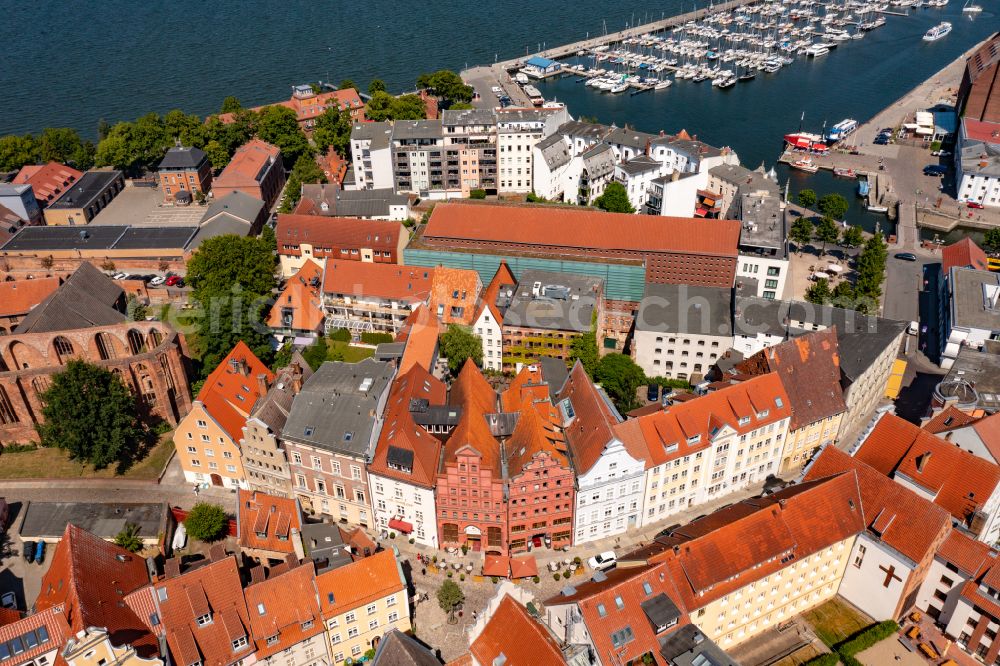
(806, 198)
(347, 84)
(833, 205)
(135, 310)
(217, 154)
(305, 171)
(90, 413)
(409, 107)
(819, 292)
(223, 262)
(379, 107)
(991, 238)
(16, 151)
(461, 106)
(129, 538)
(316, 353)
(333, 128)
(449, 596)
(231, 104)
(377, 85)
(853, 236)
(63, 144)
(827, 231)
(584, 349)
(206, 522)
(459, 344)
(801, 233)
(843, 295)
(619, 375)
(447, 85)
(279, 125)
(134, 146)
(614, 199)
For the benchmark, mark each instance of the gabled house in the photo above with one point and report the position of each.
(514, 638)
(470, 480)
(964, 485)
(207, 439)
(298, 309)
(268, 528)
(488, 320)
(609, 471)
(285, 622)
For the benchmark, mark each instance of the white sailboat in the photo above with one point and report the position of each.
(971, 8)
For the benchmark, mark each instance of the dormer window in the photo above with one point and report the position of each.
(272, 640)
(763, 414)
(240, 643)
(744, 420)
(203, 620)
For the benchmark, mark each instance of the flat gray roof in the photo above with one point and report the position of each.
(555, 301)
(979, 370)
(974, 299)
(377, 133)
(91, 237)
(48, 520)
(681, 308)
(763, 224)
(469, 117)
(143, 238)
(86, 190)
(416, 129)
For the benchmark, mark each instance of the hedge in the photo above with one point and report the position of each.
(375, 338)
(341, 335)
(828, 659)
(867, 638)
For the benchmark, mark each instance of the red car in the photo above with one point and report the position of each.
(974, 204)
(175, 281)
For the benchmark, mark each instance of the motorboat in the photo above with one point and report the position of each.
(805, 164)
(937, 32)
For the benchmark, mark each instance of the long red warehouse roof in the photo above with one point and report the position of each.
(582, 228)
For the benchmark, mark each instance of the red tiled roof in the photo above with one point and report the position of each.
(960, 482)
(19, 296)
(303, 298)
(280, 606)
(591, 429)
(55, 623)
(489, 300)
(988, 430)
(215, 590)
(247, 164)
(569, 227)
(949, 418)
(964, 254)
(79, 580)
(477, 398)
(408, 284)
(966, 553)
(629, 585)
(745, 542)
(327, 234)
(9, 615)
(400, 431)
(522, 640)
(48, 181)
(809, 367)
(359, 583)
(266, 522)
(894, 514)
(455, 288)
(228, 395)
(539, 428)
(981, 130)
(311, 107)
(422, 331)
(669, 434)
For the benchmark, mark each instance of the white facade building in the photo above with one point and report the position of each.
(371, 156)
(977, 162)
(518, 131)
(396, 500)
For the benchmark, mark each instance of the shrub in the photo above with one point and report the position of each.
(535, 579)
(14, 447)
(206, 522)
(461, 577)
(341, 335)
(450, 574)
(434, 559)
(392, 535)
(375, 338)
(567, 574)
(867, 638)
(412, 540)
(828, 659)
(477, 194)
(494, 580)
(556, 577)
(577, 560)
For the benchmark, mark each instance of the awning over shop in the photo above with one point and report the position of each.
(400, 525)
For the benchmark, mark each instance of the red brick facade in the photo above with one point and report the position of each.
(470, 505)
(541, 504)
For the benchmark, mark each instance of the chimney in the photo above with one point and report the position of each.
(675, 176)
(172, 568)
(922, 461)
(262, 383)
(217, 552)
(257, 574)
(297, 382)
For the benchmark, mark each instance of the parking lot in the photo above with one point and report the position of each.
(24, 578)
(143, 206)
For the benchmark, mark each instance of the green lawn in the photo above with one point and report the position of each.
(343, 351)
(835, 620)
(56, 464)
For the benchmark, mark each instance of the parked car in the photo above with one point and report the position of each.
(157, 281)
(935, 170)
(8, 600)
(40, 552)
(496, 89)
(29, 551)
(175, 281)
(880, 141)
(603, 561)
(653, 392)
(974, 204)
(120, 276)
(906, 256)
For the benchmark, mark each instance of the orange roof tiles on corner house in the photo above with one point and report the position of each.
(582, 228)
(281, 607)
(246, 165)
(454, 293)
(477, 398)
(48, 181)
(359, 583)
(963, 254)
(408, 284)
(422, 332)
(959, 481)
(591, 429)
(501, 277)
(268, 522)
(966, 553)
(326, 234)
(230, 392)
(19, 296)
(951, 418)
(521, 639)
(50, 620)
(302, 296)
